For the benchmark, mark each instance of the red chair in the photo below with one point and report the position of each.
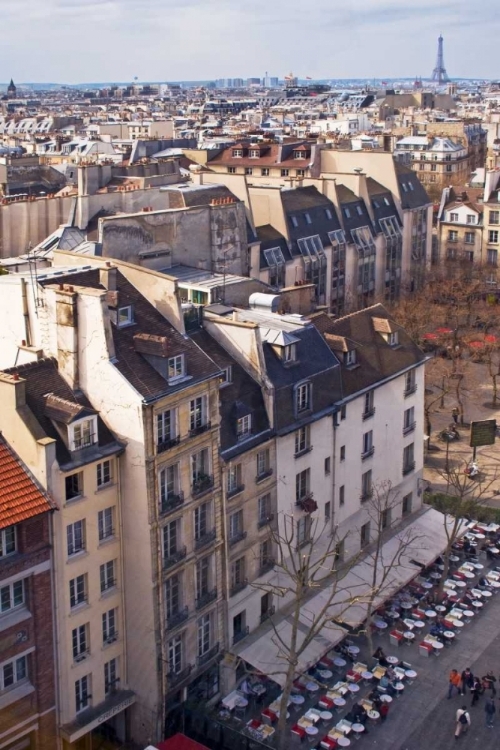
(298, 731)
(327, 743)
(299, 686)
(326, 703)
(268, 716)
(326, 663)
(353, 676)
(254, 724)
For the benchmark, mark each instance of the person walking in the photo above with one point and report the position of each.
(490, 710)
(462, 719)
(454, 682)
(467, 680)
(476, 691)
(489, 680)
(455, 413)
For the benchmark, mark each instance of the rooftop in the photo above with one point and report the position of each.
(20, 496)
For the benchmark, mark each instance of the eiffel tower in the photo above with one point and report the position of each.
(439, 73)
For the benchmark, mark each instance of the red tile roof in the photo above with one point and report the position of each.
(20, 496)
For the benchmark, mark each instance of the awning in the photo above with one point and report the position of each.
(88, 720)
(180, 742)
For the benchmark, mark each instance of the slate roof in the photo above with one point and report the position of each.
(376, 359)
(357, 218)
(270, 237)
(201, 195)
(298, 202)
(20, 496)
(416, 198)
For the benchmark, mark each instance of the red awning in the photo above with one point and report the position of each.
(476, 344)
(490, 338)
(444, 330)
(180, 742)
(430, 336)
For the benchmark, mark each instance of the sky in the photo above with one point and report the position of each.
(74, 41)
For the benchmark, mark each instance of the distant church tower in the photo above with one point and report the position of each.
(12, 90)
(439, 73)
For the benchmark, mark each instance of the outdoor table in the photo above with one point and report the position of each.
(408, 635)
(457, 623)
(325, 674)
(449, 582)
(419, 624)
(353, 650)
(392, 660)
(358, 729)
(454, 558)
(494, 584)
(366, 676)
(494, 550)
(427, 585)
(440, 608)
(468, 613)
(339, 702)
(477, 566)
(460, 584)
(326, 716)
(467, 574)
(399, 687)
(241, 702)
(435, 575)
(436, 645)
(373, 715)
(386, 698)
(278, 714)
(406, 605)
(410, 673)
(380, 625)
(393, 613)
(231, 700)
(338, 662)
(480, 536)
(267, 731)
(343, 742)
(297, 700)
(258, 689)
(430, 613)
(312, 731)
(486, 593)
(312, 687)
(353, 688)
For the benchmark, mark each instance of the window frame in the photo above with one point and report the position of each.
(125, 316)
(5, 543)
(16, 596)
(76, 542)
(14, 663)
(179, 368)
(106, 523)
(103, 470)
(74, 591)
(303, 397)
(82, 693)
(107, 576)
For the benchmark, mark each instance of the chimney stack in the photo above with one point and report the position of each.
(107, 277)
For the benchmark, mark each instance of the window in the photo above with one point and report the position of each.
(328, 214)
(244, 427)
(409, 420)
(176, 368)
(201, 520)
(285, 172)
(468, 255)
(238, 574)
(410, 383)
(235, 525)
(75, 535)
(470, 238)
(264, 509)
(254, 153)
(367, 444)
(421, 167)
(303, 397)
(385, 520)
(303, 530)
(125, 316)
(343, 412)
(82, 693)
(393, 338)
(263, 463)
(494, 217)
(12, 596)
(449, 167)
(493, 236)
(231, 170)
(295, 221)
(433, 169)
(7, 541)
(105, 523)
(328, 511)
(328, 466)
(350, 358)
(266, 559)
(173, 596)
(248, 170)
(341, 495)
(165, 428)
(227, 377)
(169, 484)
(107, 576)
(366, 485)
(109, 634)
(302, 440)
(203, 576)
(307, 218)
(77, 591)
(103, 473)
(452, 235)
(289, 352)
(347, 213)
(407, 503)
(13, 671)
(265, 172)
(198, 413)
(342, 452)
(204, 634)
(171, 538)
(300, 172)
(365, 535)
(175, 649)
(387, 202)
(237, 153)
(110, 676)
(492, 257)
(359, 210)
(83, 434)
(369, 409)
(73, 486)
(200, 470)
(80, 644)
(471, 219)
(302, 484)
(234, 483)
(408, 459)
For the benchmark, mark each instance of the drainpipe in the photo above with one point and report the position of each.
(332, 514)
(26, 315)
(122, 565)
(55, 626)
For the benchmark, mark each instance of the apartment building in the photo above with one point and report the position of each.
(27, 669)
(73, 454)
(284, 161)
(438, 161)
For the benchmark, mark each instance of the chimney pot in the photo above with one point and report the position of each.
(23, 342)
(15, 377)
(108, 264)
(61, 287)
(71, 289)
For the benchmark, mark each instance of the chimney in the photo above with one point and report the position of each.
(12, 391)
(107, 277)
(67, 335)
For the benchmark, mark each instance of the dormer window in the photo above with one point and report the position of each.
(298, 154)
(289, 353)
(254, 153)
(294, 221)
(328, 214)
(237, 153)
(83, 434)
(387, 202)
(350, 358)
(227, 376)
(393, 339)
(244, 427)
(176, 368)
(359, 210)
(307, 217)
(125, 316)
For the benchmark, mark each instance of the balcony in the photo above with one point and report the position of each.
(206, 598)
(200, 429)
(202, 484)
(307, 503)
(266, 615)
(265, 475)
(209, 655)
(266, 566)
(409, 428)
(165, 445)
(237, 637)
(368, 453)
(408, 468)
(171, 502)
(235, 491)
(175, 678)
(368, 413)
(170, 560)
(205, 539)
(265, 520)
(177, 618)
(238, 537)
(410, 390)
(238, 587)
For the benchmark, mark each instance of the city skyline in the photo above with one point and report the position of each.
(155, 40)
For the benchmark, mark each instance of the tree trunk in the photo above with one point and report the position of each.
(283, 739)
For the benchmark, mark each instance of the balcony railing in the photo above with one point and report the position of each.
(366, 496)
(303, 451)
(206, 598)
(266, 566)
(201, 485)
(408, 468)
(409, 428)
(265, 474)
(265, 520)
(175, 678)
(170, 560)
(205, 539)
(368, 453)
(200, 429)
(368, 413)
(208, 655)
(410, 389)
(237, 637)
(165, 445)
(239, 587)
(267, 614)
(307, 503)
(172, 501)
(235, 491)
(238, 537)
(177, 618)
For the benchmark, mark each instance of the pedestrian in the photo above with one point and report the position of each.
(383, 711)
(489, 680)
(490, 710)
(454, 682)
(454, 414)
(476, 691)
(467, 680)
(462, 719)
